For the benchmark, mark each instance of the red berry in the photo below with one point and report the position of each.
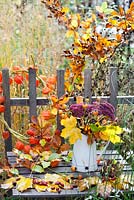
(5, 135)
(2, 99)
(1, 89)
(10, 80)
(27, 149)
(37, 82)
(0, 77)
(46, 90)
(33, 140)
(31, 132)
(18, 79)
(2, 108)
(19, 145)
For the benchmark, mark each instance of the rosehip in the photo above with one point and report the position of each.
(27, 149)
(19, 145)
(33, 140)
(31, 132)
(5, 134)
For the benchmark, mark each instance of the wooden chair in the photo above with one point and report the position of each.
(32, 102)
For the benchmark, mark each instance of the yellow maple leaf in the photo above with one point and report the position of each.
(24, 183)
(74, 23)
(111, 133)
(8, 183)
(69, 123)
(75, 134)
(65, 10)
(102, 59)
(69, 33)
(70, 131)
(54, 111)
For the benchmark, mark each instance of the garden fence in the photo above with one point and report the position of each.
(33, 101)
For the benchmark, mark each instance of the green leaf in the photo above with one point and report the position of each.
(104, 6)
(94, 128)
(54, 156)
(14, 171)
(26, 156)
(108, 11)
(42, 142)
(70, 88)
(37, 168)
(66, 158)
(45, 164)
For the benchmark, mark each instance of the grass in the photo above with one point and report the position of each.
(31, 33)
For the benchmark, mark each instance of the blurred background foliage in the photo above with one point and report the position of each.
(27, 30)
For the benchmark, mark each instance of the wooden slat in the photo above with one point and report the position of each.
(44, 101)
(32, 193)
(32, 93)
(25, 101)
(60, 83)
(60, 91)
(7, 113)
(113, 86)
(87, 84)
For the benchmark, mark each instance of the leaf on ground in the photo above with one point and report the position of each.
(24, 183)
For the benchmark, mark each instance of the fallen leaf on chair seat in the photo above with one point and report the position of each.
(8, 184)
(40, 188)
(24, 183)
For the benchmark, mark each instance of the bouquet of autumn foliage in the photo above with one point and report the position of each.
(96, 120)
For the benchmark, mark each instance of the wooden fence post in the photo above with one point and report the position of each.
(7, 113)
(60, 82)
(60, 91)
(113, 86)
(32, 93)
(87, 85)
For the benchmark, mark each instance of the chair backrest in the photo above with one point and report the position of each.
(33, 101)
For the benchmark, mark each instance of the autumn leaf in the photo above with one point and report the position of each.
(104, 8)
(52, 177)
(64, 147)
(45, 155)
(24, 184)
(70, 131)
(65, 9)
(42, 142)
(111, 133)
(37, 168)
(26, 156)
(8, 183)
(45, 164)
(54, 156)
(40, 188)
(69, 122)
(14, 171)
(74, 23)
